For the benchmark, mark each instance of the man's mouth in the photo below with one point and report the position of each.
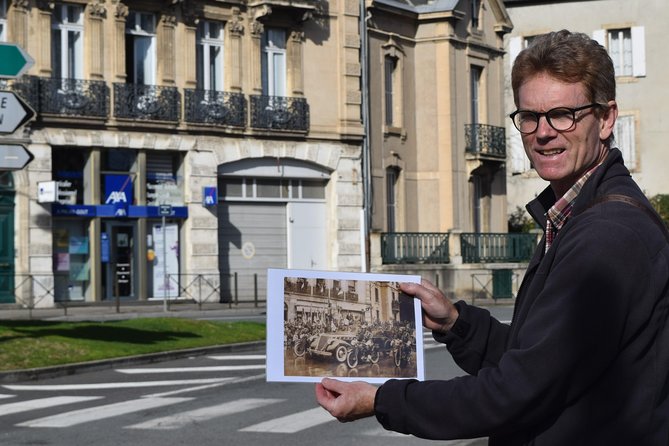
(551, 152)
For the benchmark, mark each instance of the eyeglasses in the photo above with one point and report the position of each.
(560, 118)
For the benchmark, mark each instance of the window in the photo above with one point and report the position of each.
(392, 173)
(3, 20)
(389, 66)
(209, 63)
(476, 6)
(272, 189)
(273, 62)
(626, 47)
(67, 41)
(475, 74)
(117, 170)
(140, 51)
(624, 134)
(163, 183)
(68, 170)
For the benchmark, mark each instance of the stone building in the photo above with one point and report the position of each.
(193, 144)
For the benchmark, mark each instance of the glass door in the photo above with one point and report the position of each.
(119, 262)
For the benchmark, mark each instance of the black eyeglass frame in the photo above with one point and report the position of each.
(546, 114)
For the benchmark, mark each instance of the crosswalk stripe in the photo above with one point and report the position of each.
(203, 414)
(118, 385)
(292, 423)
(42, 403)
(75, 417)
(222, 368)
(2, 396)
(238, 357)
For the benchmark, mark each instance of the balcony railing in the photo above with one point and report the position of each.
(146, 102)
(497, 247)
(27, 87)
(414, 247)
(74, 97)
(279, 113)
(483, 139)
(215, 107)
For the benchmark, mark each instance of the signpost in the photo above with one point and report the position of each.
(15, 61)
(14, 112)
(14, 157)
(165, 210)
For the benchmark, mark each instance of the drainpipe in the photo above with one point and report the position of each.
(366, 157)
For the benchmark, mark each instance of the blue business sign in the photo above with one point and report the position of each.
(118, 193)
(209, 196)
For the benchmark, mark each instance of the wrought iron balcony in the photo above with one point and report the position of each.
(215, 107)
(483, 139)
(25, 86)
(497, 247)
(279, 113)
(74, 97)
(146, 102)
(414, 247)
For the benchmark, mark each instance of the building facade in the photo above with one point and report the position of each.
(193, 144)
(633, 34)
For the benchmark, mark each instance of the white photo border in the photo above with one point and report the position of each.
(276, 324)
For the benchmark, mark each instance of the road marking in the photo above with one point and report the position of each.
(292, 423)
(75, 417)
(42, 403)
(222, 368)
(238, 357)
(128, 385)
(2, 396)
(191, 417)
(208, 386)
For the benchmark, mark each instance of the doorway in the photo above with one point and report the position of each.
(119, 265)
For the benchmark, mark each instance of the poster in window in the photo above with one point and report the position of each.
(166, 261)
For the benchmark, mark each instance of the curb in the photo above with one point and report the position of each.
(13, 376)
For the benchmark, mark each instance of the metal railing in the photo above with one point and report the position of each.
(497, 247)
(147, 102)
(483, 139)
(414, 247)
(279, 113)
(74, 97)
(214, 107)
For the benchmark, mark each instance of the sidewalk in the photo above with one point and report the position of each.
(131, 310)
(106, 312)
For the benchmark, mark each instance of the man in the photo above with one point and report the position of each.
(586, 357)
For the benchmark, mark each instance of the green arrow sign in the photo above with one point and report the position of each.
(14, 61)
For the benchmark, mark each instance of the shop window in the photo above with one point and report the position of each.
(268, 188)
(71, 249)
(117, 169)
(163, 182)
(68, 167)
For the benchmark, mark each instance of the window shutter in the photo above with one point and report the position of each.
(515, 47)
(599, 35)
(624, 138)
(638, 51)
(519, 161)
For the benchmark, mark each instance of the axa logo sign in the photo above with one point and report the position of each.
(118, 191)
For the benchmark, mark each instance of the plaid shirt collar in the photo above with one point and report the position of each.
(558, 214)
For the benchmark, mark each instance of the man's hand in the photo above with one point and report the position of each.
(439, 314)
(346, 401)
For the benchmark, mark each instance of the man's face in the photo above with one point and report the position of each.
(562, 157)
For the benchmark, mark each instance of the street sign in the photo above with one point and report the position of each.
(14, 112)
(165, 210)
(14, 60)
(14, 157)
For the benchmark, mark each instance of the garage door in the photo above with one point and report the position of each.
(252, 238)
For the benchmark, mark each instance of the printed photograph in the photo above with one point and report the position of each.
(350, 326)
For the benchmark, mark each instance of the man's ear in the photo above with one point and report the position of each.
(608, 120)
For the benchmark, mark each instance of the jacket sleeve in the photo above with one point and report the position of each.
(477, 341)
(570, 336)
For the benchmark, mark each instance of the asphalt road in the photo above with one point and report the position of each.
(214, 399)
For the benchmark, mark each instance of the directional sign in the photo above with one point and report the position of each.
(14, 61)
(14, 157)
(14, 112)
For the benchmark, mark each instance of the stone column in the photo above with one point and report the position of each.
(295, 63)
(120, 16)
(95, 39)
